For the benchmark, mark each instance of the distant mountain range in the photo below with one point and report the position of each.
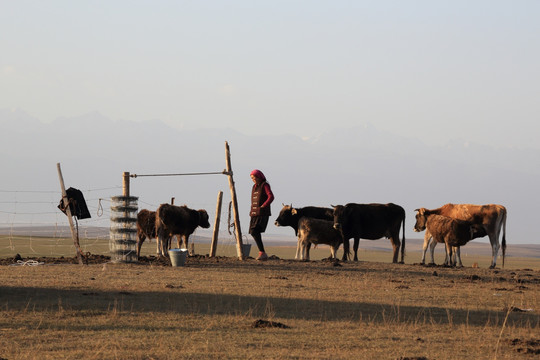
(360, 164)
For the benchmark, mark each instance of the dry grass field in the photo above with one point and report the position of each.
(223, 308)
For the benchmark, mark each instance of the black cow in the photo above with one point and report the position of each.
(454, 233)
(177, 220)
(371, 222)
(317, 231)
(289, 216)
(146, 228)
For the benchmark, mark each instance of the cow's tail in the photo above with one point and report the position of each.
(158, 220)
(403, 242)
(160, 233)
(503, 242)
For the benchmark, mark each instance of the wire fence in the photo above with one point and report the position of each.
(32, 225)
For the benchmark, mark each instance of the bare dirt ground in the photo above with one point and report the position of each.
(271, 309)
(90, 259)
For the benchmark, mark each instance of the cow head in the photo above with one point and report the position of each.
(339, 212)
(477, 230)
(203, 219)
(421, 219)
(286, 216)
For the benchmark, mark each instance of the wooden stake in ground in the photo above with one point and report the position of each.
(229, 173)
(213, 246)
(65, 201)
(125, 183)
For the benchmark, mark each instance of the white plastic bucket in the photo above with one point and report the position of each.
(178, 257)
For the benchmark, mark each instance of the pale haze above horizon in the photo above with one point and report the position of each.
(437, 71)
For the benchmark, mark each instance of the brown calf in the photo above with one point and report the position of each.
(453, 233)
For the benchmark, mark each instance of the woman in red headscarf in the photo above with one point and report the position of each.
(261, 198)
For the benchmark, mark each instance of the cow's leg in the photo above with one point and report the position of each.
(158, 245)
(159, 239)
(162, 245)
(345, 250)
(394, 239)
(308, 246)
(427, 236)
(355, 248)
(140, 240)
(304, 250)
(494, 240)
(186, 241)
(302, 246)
(457, 256)
(299, 248)
(333, 251)
(446, 259)
(449, 254)
(166, 245)
(432, 250)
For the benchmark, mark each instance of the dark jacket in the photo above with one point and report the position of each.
(77, 205)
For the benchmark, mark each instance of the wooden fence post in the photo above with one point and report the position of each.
(213, 246)
(125, 184)
(65, 200)
(229, 173)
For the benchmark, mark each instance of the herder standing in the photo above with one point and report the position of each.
(261, 198)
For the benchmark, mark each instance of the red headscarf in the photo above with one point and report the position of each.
(258, 174)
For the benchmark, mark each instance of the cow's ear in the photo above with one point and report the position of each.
(293, 211)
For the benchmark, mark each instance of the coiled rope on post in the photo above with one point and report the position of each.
(100, 208)
(230, 224)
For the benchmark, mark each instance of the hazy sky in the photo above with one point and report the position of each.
(436, 70)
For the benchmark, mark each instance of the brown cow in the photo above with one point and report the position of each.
(452, 232)
(492, 217)
(146, 227)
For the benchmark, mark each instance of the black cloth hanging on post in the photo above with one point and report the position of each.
(77, 205)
